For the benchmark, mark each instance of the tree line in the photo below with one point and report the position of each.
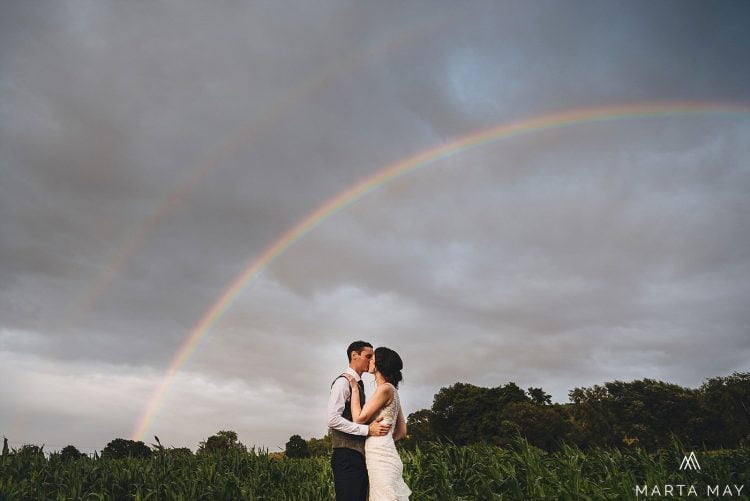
(645, 413)
(120, 448)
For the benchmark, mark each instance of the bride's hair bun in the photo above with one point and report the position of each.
(389, 364)
(397, 378)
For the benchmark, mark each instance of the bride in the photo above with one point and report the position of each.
(384, 466)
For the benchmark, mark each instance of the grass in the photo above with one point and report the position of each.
(436, 471)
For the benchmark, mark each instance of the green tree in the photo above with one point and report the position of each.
(120, 448)
(418, 429)
(170, 451)
(651, 412)
(544, 426)
(223, 441)
(296, 447)
(31, 451)
(539, 397)
(644, 412)
(69, 452)
(591, 417)
(178, 452)
(320, 446)
(725, 411)
(465, 414)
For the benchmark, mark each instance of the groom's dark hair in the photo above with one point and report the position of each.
(356, 346)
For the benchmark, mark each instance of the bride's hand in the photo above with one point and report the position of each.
(351, 380)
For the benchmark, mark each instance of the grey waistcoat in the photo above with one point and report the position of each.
(341, 439)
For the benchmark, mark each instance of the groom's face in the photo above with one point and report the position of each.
(361, 360)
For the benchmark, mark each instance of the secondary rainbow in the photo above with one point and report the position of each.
(394, 171)
(305, 90)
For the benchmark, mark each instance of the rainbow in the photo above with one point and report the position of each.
(388, 174)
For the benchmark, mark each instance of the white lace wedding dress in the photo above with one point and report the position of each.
(384, 466)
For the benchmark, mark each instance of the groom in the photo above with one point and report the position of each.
(347, 437)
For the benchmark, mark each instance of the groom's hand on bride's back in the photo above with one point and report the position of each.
(379, 429)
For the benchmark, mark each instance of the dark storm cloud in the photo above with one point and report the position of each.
(578, 253)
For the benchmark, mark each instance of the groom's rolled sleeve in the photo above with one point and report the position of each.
(336, 403)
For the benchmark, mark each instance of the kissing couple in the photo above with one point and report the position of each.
(365, 462)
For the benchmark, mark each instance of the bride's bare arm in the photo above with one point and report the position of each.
(399, 431)
(379, 399)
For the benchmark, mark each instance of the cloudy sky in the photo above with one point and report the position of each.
(151, 151)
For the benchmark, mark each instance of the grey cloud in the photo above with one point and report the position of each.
(556, 259)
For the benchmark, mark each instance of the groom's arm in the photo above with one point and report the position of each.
(336, 402)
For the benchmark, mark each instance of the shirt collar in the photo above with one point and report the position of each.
(351, 371)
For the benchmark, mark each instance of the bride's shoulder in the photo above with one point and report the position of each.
(388, 389)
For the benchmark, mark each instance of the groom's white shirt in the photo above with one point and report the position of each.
(340, 391)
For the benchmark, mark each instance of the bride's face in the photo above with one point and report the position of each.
(361, 360)
(372, 369)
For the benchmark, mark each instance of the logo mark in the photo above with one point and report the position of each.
(690, 462)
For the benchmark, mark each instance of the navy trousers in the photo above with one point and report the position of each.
(349, 474)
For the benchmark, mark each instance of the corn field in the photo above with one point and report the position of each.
(435, 471)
